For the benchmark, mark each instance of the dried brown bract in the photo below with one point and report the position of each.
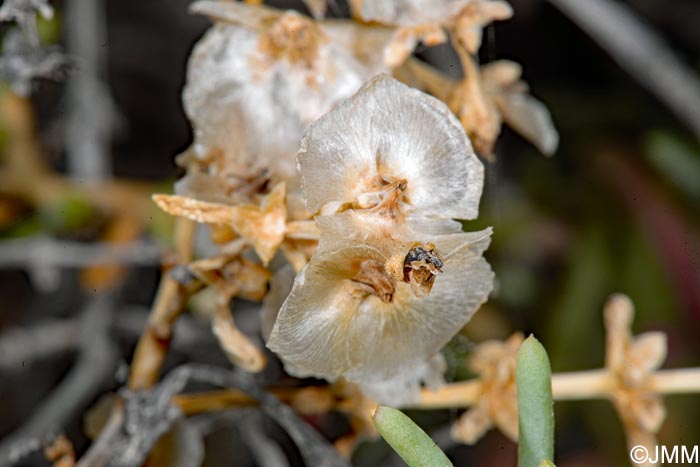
(494, 361)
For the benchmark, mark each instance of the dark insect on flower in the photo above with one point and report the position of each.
(420, 266)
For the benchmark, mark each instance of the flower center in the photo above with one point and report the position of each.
(385, 200)
(294, 38)
(372, 278)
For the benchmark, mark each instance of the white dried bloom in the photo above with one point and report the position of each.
(394, 278)
(528, 116)
(259, 77)
(424, 20)
(408, 12)
(350, 315)
(391, 148)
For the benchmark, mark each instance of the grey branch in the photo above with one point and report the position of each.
(96, 364)
(149, 414)
(91, 109)
(23, 12)
(19, 347)
(315, 450)
(21, 62)
(48, 252)
(264, 449)
(638, 49)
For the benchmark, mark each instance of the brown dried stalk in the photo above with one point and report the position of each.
(576, 385)
(175, 289)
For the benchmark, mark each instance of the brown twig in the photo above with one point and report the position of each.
(211, 401)
(175, 289)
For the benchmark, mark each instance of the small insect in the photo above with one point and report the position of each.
(420, 266)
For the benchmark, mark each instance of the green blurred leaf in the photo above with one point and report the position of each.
(575, 336)
(677, 161)
(67, 215)
(414, 446)
(644, 280)
(533, 379)
(49, 29)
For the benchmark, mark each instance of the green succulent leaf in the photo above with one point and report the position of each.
(409, 441)
(533, 378)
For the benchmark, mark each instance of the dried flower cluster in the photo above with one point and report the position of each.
(631, 361)
(393, 278)
(307, 152)
(630, 379)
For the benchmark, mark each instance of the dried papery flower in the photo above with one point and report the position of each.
(264, 224)
(494, 361)
(518, 109)
(351, 314)
(486, 98)
(467, 25)
(231, 276)
(632, 361)
(260, 76)
(238, 347)
(392, 150)
(426, 20)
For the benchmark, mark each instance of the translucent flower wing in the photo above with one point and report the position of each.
(390, 131)
(326, 329)
(311, 331)
(531, 119)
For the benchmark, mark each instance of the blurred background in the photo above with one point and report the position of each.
(616, 209)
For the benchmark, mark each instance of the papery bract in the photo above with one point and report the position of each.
(391, 140)
(347, 317)
(260, 76)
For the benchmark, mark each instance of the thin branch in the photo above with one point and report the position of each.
(49, 252)
(96, 363)
(91, 109)
(174, 291)
(637, 48)
(100, 450)
(20, 346)
(149, 414)
(264, 449)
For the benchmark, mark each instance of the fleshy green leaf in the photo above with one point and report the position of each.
(408, 440)
(535, 407)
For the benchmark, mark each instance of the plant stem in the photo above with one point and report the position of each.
(580, 385)
(170, 302)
